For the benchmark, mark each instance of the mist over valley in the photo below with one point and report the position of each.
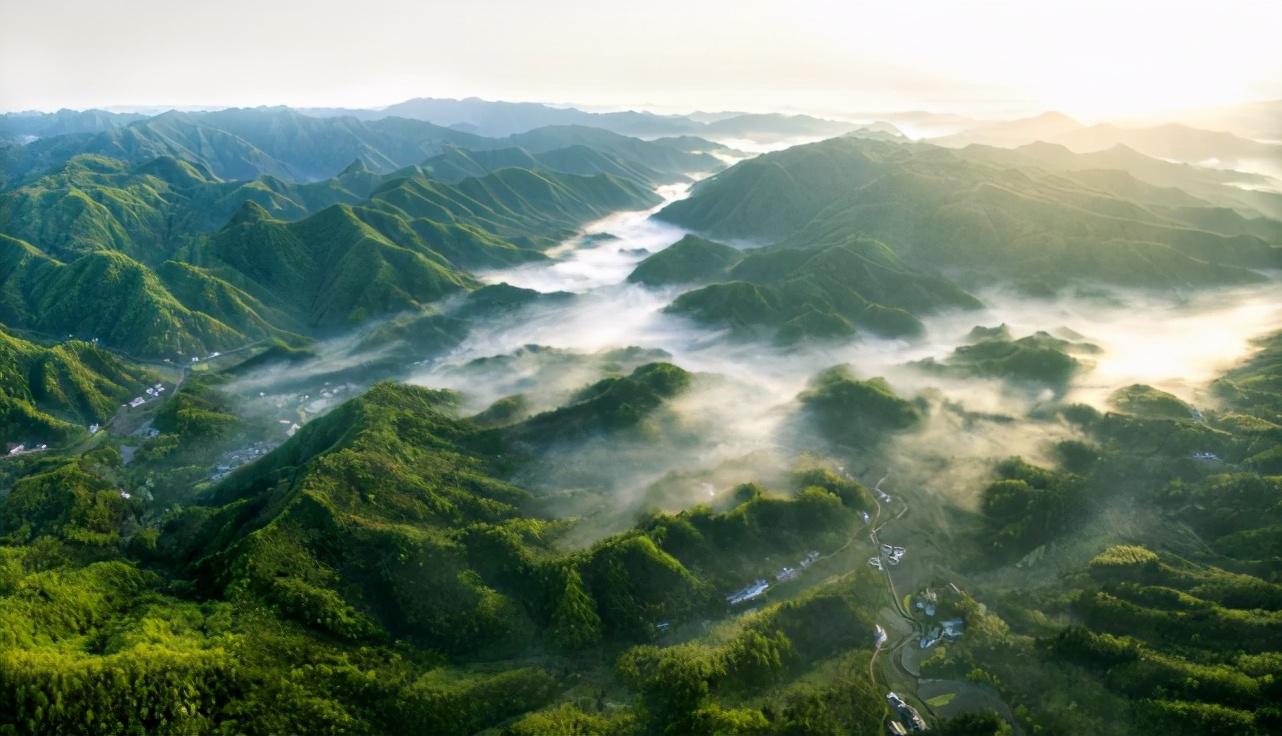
(841, 381)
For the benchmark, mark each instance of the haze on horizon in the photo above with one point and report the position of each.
(1092, 60)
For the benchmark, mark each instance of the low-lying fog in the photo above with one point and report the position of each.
(738, 422)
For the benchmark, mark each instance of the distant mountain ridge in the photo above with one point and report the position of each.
(970, 215)
(499, 119)
(242, 144)
(33, 125)
(1170, 141)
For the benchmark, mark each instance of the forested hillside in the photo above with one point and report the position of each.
(165, 248)
(441, 433)
(973, 217)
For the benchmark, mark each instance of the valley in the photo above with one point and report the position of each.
(468, 434)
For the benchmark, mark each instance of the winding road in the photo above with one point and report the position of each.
(894, 594)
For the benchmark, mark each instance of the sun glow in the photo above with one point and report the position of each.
(1089, 59)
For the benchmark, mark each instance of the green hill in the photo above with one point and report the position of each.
(456, 164)
(16, 125)
(329, 270)
(858, 413)
(1036, 361)
(1154, 182)
(817, 292)
(374, 575)
(1256, 385)
(407, 246)
(149, 211)
(135, 242)
(688, 260)
(1147, 401)
(47, 395)
(965, 214)
(615, 403)
(669, 156)
(246, 143)
(107, 296)
(437, 550)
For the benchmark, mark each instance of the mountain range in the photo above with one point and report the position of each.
(1170, 141)
(199, 231)
(974, 217)
(284, 543)
(185, 241)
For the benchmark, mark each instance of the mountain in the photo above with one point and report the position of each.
(826, 291)
(854, 412)
(502, 119)
(48, 394)
(495, 580)
(28, 126)
(135, 242)
(113, 298)
(608, 405)
(408, 245)
(381, 546)
(669, 156)
(1170, 141)
(499, 119)
(1036, 362)
(330, 269)
(1012, 133)
(149, 211)
(246, 143)
(1261, 121)
(1176, 142)
(1174, 182)
(456, 164)
(963, 214)
(690, 259)
(775, 127)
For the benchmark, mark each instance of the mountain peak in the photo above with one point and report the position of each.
(355, 167)
(1056, 117)
(249, 212)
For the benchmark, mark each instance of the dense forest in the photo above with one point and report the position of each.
(302, 436)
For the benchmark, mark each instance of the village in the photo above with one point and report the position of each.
(758, 588)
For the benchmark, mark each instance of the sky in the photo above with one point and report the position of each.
(1093, 60)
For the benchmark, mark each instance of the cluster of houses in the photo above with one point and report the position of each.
(237, 458)
(889, 554)
(909, 718)
(788, 573)
(22, 449)
(290, 427)
(952, 628)
(1205, 456)
(926, 602)
(754, 590)
(196, 359)
(758, 588)
(152, 392)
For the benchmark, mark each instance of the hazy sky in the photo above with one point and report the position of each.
(1088, 59)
